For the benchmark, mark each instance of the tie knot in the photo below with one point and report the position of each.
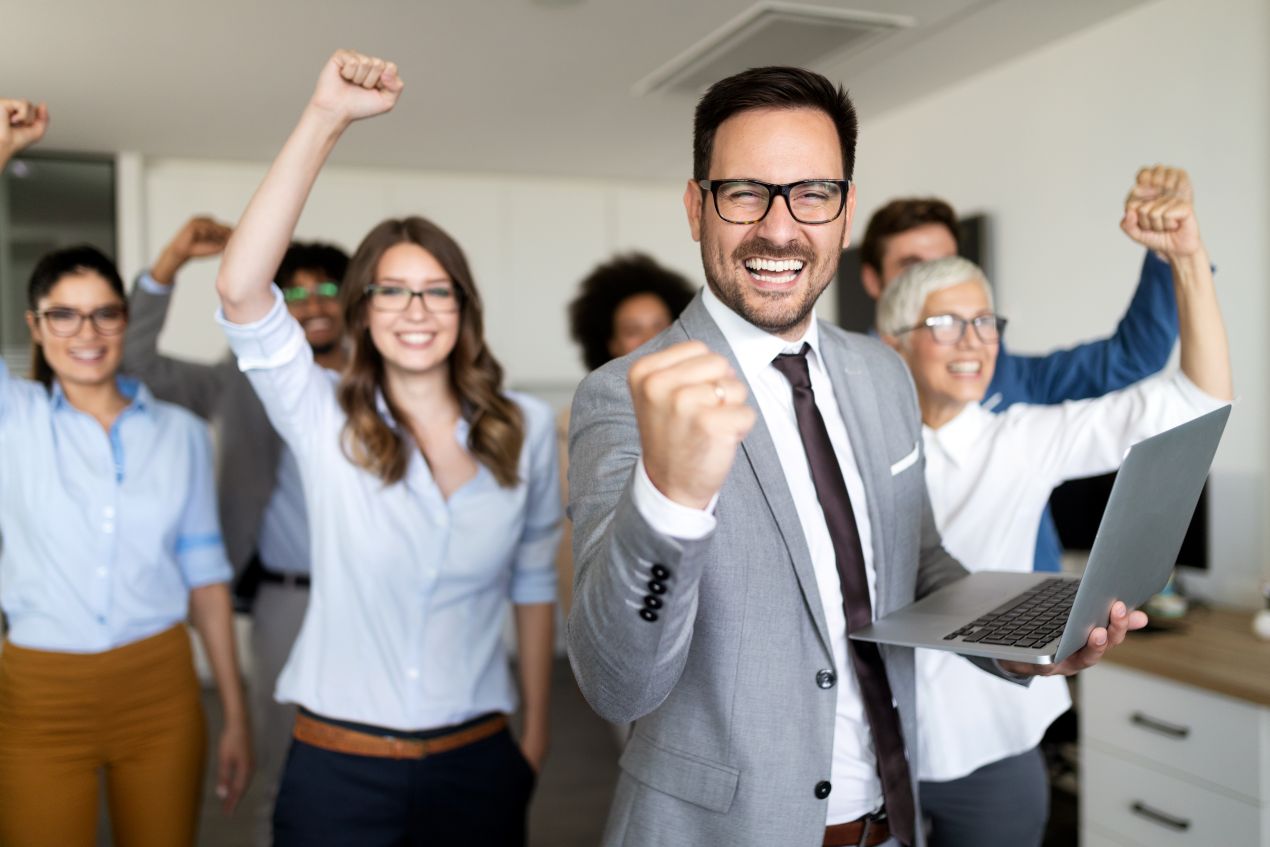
(794, 367)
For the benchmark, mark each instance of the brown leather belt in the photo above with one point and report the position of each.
(867, 831)
(338, 739)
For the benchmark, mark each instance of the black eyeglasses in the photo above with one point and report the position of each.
(950, 329)
(437, 299)
(747, 201)
(65, 322)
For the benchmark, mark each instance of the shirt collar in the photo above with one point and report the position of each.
(956, 438)
(138, 396)
(755, 348)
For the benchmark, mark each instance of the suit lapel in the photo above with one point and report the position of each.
(761, 455)
(859, 402)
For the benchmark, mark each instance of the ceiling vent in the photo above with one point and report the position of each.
(770, 33)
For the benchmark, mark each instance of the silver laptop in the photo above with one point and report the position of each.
(1043, 617)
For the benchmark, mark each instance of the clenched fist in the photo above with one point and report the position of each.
(353, 86)
(22, 123)
(1159, 213)
(692, 414)
(201, 236)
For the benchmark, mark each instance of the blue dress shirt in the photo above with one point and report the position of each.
(410, 589)
(105, 533)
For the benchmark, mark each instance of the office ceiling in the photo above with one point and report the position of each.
(512, 86)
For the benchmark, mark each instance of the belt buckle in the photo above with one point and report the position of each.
(864, 831)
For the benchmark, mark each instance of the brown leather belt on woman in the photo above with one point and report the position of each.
(338, 739)
(867, 831)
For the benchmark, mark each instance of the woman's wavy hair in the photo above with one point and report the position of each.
(497, 430)
(48, 272)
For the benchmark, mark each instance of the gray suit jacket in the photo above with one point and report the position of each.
(247, 447)
(732, 732)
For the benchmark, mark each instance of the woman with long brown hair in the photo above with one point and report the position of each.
(433, 502)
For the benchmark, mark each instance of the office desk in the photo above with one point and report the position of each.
(1175, 738)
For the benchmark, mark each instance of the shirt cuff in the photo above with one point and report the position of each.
(270, 342)
(668, 517)
(150, 285)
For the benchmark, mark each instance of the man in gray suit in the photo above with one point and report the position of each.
(261, 498)
(715, 585)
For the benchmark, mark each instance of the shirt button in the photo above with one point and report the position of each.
(108, 527)
(108, 512)
(413, 673)
(101, 572)
(825, 679)
(822, 789)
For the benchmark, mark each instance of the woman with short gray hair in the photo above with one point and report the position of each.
(983, 779)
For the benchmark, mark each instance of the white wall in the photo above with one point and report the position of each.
(529, 242)
(1048, 145)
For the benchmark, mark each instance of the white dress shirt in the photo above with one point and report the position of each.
(856, 787)
(989, 478)
(404, 628)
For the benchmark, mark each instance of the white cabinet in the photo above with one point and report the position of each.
(1168, 763)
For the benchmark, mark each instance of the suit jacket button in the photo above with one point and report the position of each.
(661, 572)
(822, 789)
(652, 602)
(656, 587)
(825, 678)
(648, 615)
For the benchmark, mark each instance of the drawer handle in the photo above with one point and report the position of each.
(1172, 730)
(1142, 810)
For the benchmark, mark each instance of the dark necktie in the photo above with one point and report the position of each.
(866, 660)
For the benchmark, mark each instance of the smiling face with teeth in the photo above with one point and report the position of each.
(772, 272)
(88, 358)
(948, 376)
(414, 341)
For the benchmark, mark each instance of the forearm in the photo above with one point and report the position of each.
(212, 614)
(257, 246)
(535, 637)
(1205, 352)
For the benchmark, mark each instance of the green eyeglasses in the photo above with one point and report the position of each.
(298, 294)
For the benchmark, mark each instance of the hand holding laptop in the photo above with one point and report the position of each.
(1101, 639)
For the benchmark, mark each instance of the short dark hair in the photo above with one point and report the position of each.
(901, 215)
(771, 88)
(607, 287)
(326, 259)
(48, 272)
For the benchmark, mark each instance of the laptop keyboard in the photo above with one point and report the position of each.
(1032, 619)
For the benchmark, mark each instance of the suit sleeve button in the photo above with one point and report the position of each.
(656, 587)
(648, 615)
(661, 572)
(652, 602)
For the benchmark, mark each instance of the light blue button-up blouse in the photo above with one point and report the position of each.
(105, 533)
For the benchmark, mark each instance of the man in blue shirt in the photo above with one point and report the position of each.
(911, 230)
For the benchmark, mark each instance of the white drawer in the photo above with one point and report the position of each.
(1146, 807)
(1215, 738)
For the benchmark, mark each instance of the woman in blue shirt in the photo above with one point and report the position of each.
(433, 500)
(110, 540)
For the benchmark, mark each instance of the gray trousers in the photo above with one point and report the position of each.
(277, 615)
(1003, 804)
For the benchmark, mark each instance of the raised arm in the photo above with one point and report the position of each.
(194, 385)
(22, 123)
(350, 87)
(1165, 222)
